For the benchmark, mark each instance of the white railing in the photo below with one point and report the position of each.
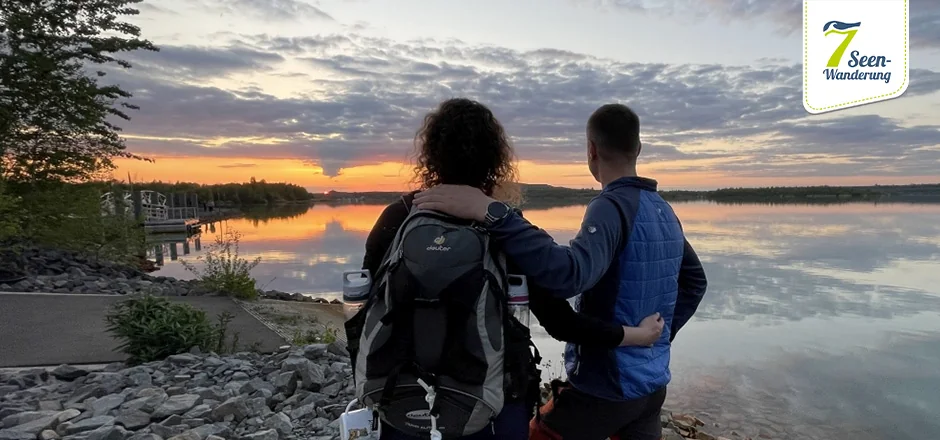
(153, 206)
(176, 213)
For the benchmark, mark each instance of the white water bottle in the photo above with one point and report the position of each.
(519, 298)
(356, 286)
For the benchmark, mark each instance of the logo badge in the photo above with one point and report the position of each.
(854, 53)
(419, 414)
(438, 245)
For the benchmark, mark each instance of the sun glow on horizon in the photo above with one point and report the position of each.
(396, 176)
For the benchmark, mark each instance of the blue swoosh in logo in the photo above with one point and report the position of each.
(840, 25)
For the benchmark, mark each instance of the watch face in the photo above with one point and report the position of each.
(497, 210)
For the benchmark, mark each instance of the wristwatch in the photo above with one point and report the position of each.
(495, 212)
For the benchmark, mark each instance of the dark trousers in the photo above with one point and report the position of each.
(512, 423)
(575, 415)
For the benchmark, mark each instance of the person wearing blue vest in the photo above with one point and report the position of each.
(630, 259)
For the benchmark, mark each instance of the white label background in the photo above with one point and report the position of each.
(883, 32)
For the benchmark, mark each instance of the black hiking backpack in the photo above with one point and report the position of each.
(438, 312)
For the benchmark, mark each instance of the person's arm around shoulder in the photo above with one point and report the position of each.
(564, 271)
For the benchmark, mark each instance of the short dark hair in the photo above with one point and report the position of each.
(615, 129)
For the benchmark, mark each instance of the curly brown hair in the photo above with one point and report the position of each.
(462, 143)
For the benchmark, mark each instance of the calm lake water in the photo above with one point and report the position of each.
(820, 322)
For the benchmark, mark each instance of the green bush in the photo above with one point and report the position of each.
(224, 271)
(327, 336)
(152, 328)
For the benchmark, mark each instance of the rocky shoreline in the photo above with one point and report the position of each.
(296, 393)
(56, 271)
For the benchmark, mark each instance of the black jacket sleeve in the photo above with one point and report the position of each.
(383, 233)
(563, 323)
(692, 285)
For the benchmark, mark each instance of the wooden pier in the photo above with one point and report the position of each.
(159, 214)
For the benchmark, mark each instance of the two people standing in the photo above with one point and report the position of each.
(638, 278)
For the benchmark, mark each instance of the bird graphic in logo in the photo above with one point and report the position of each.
(439, 240)
(838, 27)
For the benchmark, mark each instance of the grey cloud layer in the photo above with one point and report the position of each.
(368, 97)
(786, 15)
(270, 9)
(201, 62)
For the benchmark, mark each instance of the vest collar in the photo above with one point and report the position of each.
(644, 183)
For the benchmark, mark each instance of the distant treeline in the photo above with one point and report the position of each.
(812, 194)
(547, 196)
(254, 192)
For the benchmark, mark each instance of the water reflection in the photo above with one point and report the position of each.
(820, 321)
(160, 246)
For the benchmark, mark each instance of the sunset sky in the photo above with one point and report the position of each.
(328, 94)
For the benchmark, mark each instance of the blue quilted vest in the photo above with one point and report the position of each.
(641, 281)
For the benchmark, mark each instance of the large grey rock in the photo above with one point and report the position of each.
(257, 407)
(279, 422)
(338, 348)
(104, 405)
(10, 434)
(318, 423)
(235, 407)
(172, 420)
(188, 435)
(167, 431)
(183, 359)
(212, 429)
(311, 374)
(198, 412)
(68, 372)
(147, 436)
(88, 424)
(49, 435)
(35, 426)
(108, 432)
(50, 405)
(286, 383)
(24, 417)
(214, 393)
(176, 405)
(67, 415)
(85, 392)
(315, 351)
(148, 402)
(133, 419)
(268, 434)
(303, 411)
(8, 389)
(256, 385)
